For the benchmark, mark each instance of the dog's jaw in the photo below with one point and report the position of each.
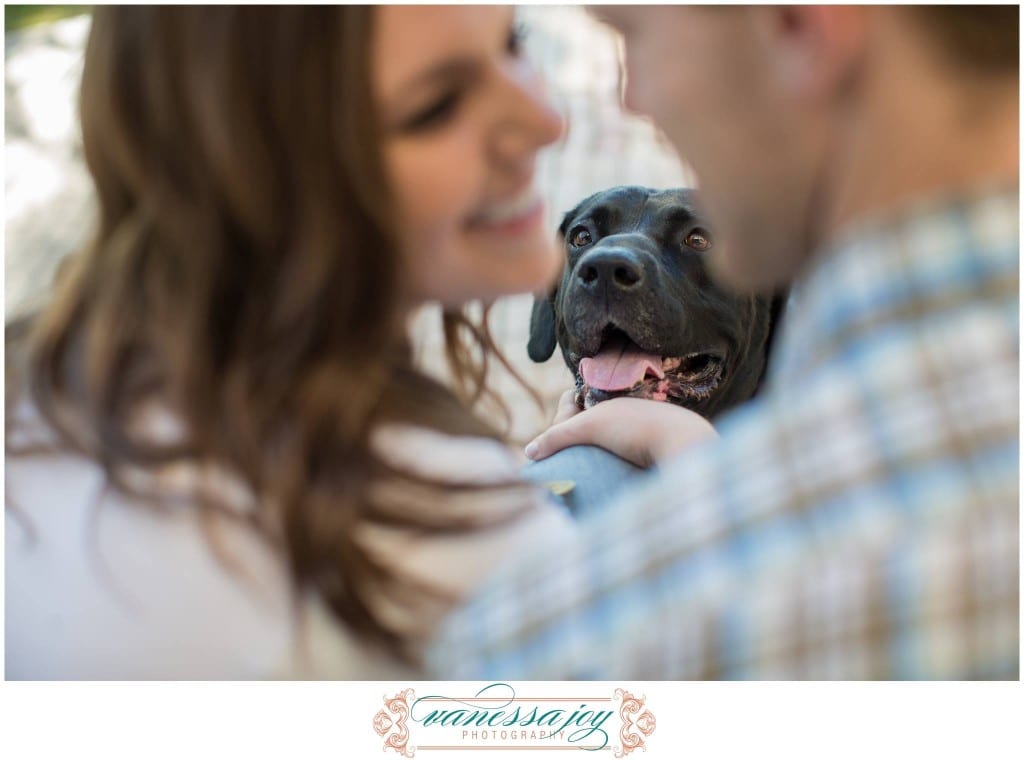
(690, 381)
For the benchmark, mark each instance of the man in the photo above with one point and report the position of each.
(859, 519)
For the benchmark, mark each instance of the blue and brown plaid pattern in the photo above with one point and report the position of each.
(858, 520)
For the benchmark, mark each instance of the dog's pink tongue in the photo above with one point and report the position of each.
(619, 366)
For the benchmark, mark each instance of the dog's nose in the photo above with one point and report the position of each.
(616, 269)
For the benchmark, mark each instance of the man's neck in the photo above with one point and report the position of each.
(898, 143)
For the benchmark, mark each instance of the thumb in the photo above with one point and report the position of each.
(571, 432)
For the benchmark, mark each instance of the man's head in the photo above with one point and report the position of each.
(800, 119)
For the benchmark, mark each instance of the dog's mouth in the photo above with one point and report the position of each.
(622, 368)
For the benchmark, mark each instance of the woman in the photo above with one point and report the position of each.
(221, 460)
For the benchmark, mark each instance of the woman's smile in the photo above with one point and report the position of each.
(512, 216)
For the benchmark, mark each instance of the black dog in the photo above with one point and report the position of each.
(636, 313)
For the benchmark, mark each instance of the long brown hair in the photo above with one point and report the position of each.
(243, 275)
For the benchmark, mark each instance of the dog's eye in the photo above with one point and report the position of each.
(698, 239)
(580, 237)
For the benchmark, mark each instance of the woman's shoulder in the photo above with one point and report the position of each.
(101, 585)
(435, 455)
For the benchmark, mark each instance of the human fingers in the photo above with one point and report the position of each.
(568, 432)
(566, 407)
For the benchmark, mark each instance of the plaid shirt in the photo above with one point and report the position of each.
(858, 520)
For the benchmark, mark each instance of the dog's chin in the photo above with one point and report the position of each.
(689, 381)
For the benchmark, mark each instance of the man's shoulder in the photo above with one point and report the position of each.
(887, 410)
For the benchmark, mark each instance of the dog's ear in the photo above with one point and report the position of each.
(542, 328)
(776, 309)
(542, 318)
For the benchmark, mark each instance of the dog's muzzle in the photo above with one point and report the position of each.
(623, 368)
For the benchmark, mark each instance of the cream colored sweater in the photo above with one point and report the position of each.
(101, 587)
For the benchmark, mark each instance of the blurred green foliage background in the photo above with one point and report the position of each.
(21, 16)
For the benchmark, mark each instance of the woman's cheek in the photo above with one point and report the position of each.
(427, 253)
(432, 177)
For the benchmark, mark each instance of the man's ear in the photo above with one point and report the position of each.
(814, 50)
(542, 328)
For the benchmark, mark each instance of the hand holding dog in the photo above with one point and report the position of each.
(640, 431)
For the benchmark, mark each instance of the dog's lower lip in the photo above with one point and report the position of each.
(699, 360)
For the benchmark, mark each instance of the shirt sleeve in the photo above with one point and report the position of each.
(862, 526)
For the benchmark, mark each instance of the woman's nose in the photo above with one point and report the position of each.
(529, 119)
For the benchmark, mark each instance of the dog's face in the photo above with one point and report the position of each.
(636, 313)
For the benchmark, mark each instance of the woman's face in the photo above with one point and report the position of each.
(463, 115)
